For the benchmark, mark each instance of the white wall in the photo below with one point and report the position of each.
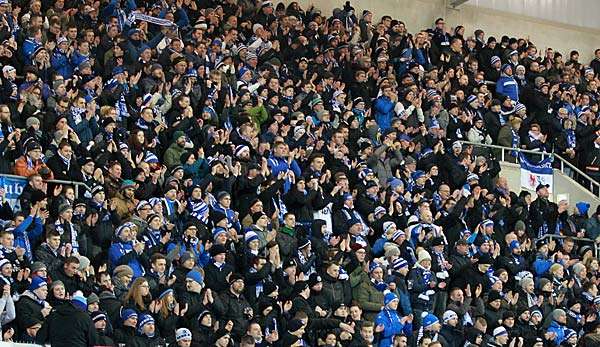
(583, 13)
(420, 14)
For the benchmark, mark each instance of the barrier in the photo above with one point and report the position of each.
(14, 184)
(552, 237)
(581, 177)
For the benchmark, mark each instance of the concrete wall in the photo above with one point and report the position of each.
(420, 14)
(563, 186)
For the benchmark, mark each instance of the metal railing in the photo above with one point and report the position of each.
(579, 176)
(63, 182)
(580, 240)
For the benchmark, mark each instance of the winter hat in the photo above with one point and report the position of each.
(4, 262)
(126, 184)
(294, 325)
(494, 295)
(314, 279)
(235, 277)
(250, 236)
(513, 245)
(269, 287)
(165, 293)
(143, 320)
(535, 310)
(397, 234)
(186, 256)
(449, 315)
(373, 266)
(519, 107)
(499, 331)
(582, 207)
(128, 313)
(388, 226)
(399, 263)
(218, 231)
(558, 313)
(389, 297)
(487, 223)
(93, 298)
(256, 216)
(494, 60)
(429, 320)
(79, 301)
(217, 249)
(379, 210)
(303, 243)
(195, 276)
(64, 207)
(183, 334)
(98, 316)
(569, 333)
(37, 282)
(123, 270)
(423, 255)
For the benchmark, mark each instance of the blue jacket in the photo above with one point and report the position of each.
(390, 319)
(378, 246)
(278, 165)
(559, 330)
(122, 253)
(541, 266)
(230, 216)
(77, 58)
(61, 63)
(24, 238)
(202, 255)
(506, 85)
(384, 111)
(85, 129)
(29, 46)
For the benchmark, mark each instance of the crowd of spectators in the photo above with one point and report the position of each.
(266, 175)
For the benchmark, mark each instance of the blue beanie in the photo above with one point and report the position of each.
(143, 320)
(195, 276)
(79, 301)
(128, 313)
(514, 244)
(399, 263)
(166, 292)
(37, 282)
(582, 207)
(505, 66)
(389, 297)
(374, 265)
(429, 320)
(218, 231)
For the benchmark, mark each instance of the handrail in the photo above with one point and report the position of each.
(553, 236)
(74, 183)
(562, 161)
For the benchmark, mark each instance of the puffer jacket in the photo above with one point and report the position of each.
(370, 299)
(336, 291)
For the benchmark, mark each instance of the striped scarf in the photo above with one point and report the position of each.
(198, 209)
(60, 227)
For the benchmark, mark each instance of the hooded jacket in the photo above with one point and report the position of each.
(68, 326)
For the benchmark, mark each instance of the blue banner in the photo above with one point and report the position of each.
(534, 174)
(13, 188)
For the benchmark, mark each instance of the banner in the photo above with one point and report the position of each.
(534, 174)
(13, 187)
